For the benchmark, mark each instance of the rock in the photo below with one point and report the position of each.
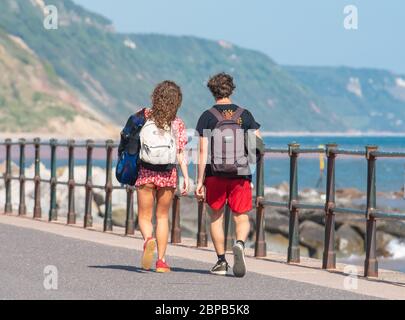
(400, 194)
(393, 227)
(349, 241)
(355, 221)
(310, 196)
(98, 198)
(119, 217)
(277, 223)
(15, 169)
(277, 193)
(312, 236)
(349, 193)
(284, 186)
(317, 216)
(383, 242)
(397, 249)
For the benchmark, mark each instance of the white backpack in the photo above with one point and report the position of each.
(158, 146)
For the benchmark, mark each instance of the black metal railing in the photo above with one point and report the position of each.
(371, 213)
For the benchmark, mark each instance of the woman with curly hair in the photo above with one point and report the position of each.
(157, 188)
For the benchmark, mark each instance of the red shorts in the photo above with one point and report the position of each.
(238, 192)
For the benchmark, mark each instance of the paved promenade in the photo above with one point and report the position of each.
(94, 265)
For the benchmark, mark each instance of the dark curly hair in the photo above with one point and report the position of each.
(166, 101)
(221, 86)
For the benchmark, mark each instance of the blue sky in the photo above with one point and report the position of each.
(294, 32)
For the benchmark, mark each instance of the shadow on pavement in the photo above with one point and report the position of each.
(140, 270)
(119, 267)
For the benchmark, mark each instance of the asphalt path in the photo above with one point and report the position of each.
(41, 265)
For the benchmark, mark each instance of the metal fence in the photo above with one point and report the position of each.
(293, 151)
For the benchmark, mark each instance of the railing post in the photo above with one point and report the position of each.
(53, 211)
(176, 229)
(202, 241)
(371, 263)
(22, 208)
(260, 245)
(228, 228)
(293, 241)
(71, 218)
(130, 221)
(37, 179)
(329, 254)
(108, 224)
(7, 178)
(88, 218)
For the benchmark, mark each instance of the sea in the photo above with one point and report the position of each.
(351, 172)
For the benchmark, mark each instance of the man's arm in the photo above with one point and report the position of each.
(202, 162)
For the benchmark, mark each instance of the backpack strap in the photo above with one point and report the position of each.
(141, 114)
(237, 114)
(218, 115)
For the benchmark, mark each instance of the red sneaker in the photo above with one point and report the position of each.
(149, 248)
(162, 266)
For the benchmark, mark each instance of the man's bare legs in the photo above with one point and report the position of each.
(217, 230)
(242, 225)
(242, 228)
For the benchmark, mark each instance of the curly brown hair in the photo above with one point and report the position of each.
(221, 86)
(166, 101)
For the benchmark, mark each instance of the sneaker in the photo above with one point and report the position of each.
(239, 267)
(221, 268)
(162, 266)
(148, 252)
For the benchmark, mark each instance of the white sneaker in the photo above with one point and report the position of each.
(239, 266)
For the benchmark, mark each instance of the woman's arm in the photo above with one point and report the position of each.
(181, 159)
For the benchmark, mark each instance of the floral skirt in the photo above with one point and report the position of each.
(166, 179)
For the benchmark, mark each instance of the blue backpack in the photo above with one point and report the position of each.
(128, 150)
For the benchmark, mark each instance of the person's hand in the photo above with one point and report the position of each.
(186, 185)
(200, 191)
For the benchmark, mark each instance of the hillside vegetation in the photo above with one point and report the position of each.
(115, 74)
(33, 98)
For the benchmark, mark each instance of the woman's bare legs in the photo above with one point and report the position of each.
(164, 198)
(146, 199)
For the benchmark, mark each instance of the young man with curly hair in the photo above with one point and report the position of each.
(223, 183)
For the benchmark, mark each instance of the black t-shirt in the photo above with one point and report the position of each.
(208, 121)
